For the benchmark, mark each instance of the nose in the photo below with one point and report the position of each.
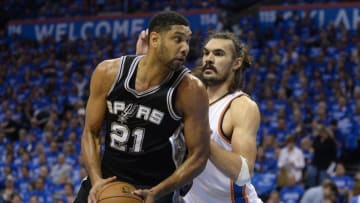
(184, 50)
(208, 58)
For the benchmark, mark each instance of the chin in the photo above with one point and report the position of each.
(175, 66)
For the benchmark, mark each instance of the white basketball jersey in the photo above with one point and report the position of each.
(212, 186)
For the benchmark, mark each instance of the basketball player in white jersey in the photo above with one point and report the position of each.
(234, 121)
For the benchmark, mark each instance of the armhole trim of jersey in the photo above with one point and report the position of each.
(119, 74)
(226, 137)
(170, 94)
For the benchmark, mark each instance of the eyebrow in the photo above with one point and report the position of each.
(215, 50)
(181, 33)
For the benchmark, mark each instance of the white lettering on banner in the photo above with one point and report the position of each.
(208, 19)
(321, 18)
(14, 29)
(72, 35)
(60, 30)
(120, 28)
(356, 18)
(76, 28)
(350, 17)
(136, 25)
(103, 25)
(85, 26)
(42, 31)
(342, 18)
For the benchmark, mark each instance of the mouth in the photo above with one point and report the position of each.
(182, 60)
(208, 68)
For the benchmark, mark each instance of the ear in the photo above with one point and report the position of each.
(237, 63)
(154, 39)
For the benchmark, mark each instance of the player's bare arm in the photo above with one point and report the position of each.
(242, 122)
(192, 103)
(101, 81)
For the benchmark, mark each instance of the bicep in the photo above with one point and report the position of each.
(96, 105)
(245, 117)
(95, 112)
(196, 128)
(193, 104)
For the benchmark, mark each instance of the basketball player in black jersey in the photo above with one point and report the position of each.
(153, 110)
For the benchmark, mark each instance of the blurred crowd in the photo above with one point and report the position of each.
(305, 79)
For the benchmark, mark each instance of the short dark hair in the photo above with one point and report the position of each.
(164, 20)
(240, 50)
(332, 186)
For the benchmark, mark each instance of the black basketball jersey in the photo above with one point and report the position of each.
(144, 142)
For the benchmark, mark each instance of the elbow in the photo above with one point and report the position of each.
(201, 159)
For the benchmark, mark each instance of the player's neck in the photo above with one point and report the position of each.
(149, 74)
(217, 92)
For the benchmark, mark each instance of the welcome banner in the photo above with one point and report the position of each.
(80, 27)
(321, 14)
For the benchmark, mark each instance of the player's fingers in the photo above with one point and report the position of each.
(91, 197)
(143, 35)
(108, 180)
(140, 193)
(140, 37)
(146, 33)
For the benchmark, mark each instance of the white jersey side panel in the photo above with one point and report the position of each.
(212, 186)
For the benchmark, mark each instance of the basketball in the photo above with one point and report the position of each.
(118, 192)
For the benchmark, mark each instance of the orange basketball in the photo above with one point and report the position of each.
(118, 192)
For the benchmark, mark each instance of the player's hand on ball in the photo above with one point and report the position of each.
(147, 195)
(97, 186)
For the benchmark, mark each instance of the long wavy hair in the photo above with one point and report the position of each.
(240, 50)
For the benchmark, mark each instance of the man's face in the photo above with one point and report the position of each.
(173, 46)
(217, 61)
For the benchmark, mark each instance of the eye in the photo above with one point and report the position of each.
(219, 53)
(177, 39)
(205, 52)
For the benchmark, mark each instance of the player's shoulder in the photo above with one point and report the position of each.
(244, 102)
(109, 65)
(191, 88)
(106, 72)
(191, 82)
(108, 68)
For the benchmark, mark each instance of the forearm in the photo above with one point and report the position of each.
(191, 168)
(227, 162)
(90, 148)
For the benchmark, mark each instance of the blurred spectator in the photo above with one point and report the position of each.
(263, 164)
(281, 130)
(324, 155)
(343, 182)
(9, 189)
(274, 197)
(40, 192)
(291, 158)
(52, 153)
(292, 192)
(319, 193)
(354, 197)
(34, 199)
(24, 180)
(308, 151)
(16, 198)
(69, 194)
(59, 169)
(269, 146)
(44, 174)
(10, 127)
